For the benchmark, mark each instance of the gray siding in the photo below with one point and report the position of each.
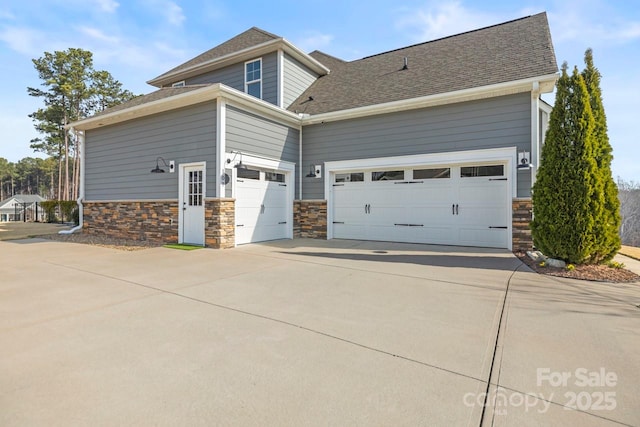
(119, 158)
(233, 76)
(297, 79)
(251, 134)
(491, 123)
(270, 78)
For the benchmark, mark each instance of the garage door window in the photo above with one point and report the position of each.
(248, 174)
(474, 171)
(274, 176)
(350, 177)
(432, 173)
(387, 176)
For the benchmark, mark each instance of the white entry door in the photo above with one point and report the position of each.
(261, 206)
(192, 204)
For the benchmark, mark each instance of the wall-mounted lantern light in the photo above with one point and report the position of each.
(171, 165)
(524, 160)
(238, 165)
(315, 171)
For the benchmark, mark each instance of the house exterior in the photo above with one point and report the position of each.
(22, 207)
(432, 143)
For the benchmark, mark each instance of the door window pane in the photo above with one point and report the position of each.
(274, 176)
(248, 174)
(195, 187)
(473, 171)
(350, 177)
(432, 173)
(387, 176)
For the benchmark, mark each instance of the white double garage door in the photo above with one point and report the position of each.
(467, 203)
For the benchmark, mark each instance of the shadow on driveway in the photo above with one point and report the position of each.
(488, 262)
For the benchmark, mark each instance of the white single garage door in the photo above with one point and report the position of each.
(464, 205)
(261, 206)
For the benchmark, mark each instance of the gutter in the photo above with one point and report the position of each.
(80, 135)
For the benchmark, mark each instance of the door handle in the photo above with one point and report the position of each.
(453, 209)
(457, 213)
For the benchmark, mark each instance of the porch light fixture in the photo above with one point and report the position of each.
(315, 171)
(312, 172)
(239, 165)
(158, 169)
(523, 160)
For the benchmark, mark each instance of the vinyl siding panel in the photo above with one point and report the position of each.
(491, 123)
(233, 76)
(252, 134)
(297, 79)
(119, 158)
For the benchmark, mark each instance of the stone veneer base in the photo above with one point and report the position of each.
(150, 221)
(157, 221)
(522, 216)
(310, 219)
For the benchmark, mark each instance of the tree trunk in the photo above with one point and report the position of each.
(66, 161)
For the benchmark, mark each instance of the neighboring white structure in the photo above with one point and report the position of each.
(16, 207)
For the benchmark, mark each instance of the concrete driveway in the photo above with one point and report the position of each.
(309, 332)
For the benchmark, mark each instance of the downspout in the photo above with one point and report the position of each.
(300, 162)
(80, 135)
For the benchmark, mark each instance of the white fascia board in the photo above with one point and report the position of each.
(241, 56)
(487, 155)
(161, 105)
(545, 84)
(190, 98)
(303, 58)
(256, 105)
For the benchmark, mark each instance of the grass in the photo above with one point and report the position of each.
(182, 247)
(25, 230)
(630, 251)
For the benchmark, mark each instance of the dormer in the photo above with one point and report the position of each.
(255, 62)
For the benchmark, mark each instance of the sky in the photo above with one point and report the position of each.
(137, 40)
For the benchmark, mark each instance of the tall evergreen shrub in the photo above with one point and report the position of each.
(576, 208)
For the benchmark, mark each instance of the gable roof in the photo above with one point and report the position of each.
(251, 43)
(512, 51)
(23, 198)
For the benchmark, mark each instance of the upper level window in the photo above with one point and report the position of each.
(178, 84)
(253, 78)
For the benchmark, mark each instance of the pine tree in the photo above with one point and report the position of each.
(607, 226)
(568, 195)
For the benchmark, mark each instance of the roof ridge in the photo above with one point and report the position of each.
(326, 54)
(266, 33)
(448, 37)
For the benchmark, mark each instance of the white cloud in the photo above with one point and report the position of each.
(6, 14)
(174, 14)
(597, 24)
(170, 10)
(108, 6)
(444, 18)
(97, 34)
(314, 41)
(26, 41)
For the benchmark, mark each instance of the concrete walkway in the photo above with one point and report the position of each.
(305, 332)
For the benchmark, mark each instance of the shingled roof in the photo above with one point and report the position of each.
(162, 93)
(252, 37)
(514, 50)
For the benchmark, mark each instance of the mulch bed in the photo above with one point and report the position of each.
(597, 273)
(121, 244)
